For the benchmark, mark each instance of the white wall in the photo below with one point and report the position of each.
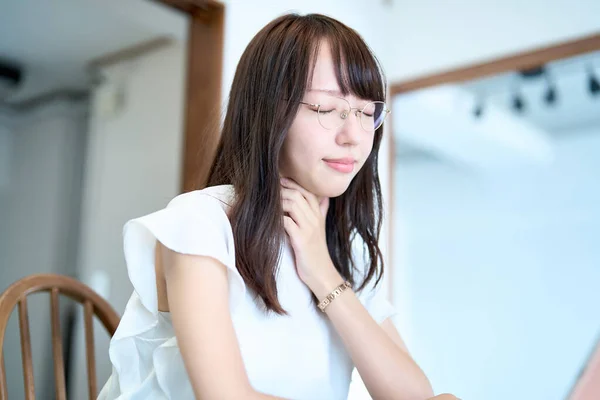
(57, 41)
(429, 35)
(5, 150)
(133, 167)
(134, 156)
(501, 271)
(39, 210)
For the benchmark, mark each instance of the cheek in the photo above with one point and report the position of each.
(304, 143)
(366, 147)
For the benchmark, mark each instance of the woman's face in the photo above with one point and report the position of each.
(310, 151)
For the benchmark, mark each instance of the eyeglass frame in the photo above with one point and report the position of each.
(386, 110)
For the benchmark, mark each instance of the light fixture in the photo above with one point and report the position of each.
(593, 84)
(478, 109)
(550, 95)
(518, 104)
(518, 101)
(10, 77)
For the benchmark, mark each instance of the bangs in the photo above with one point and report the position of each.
(357, 70)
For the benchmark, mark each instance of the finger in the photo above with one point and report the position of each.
(290, 226)
(296, 206)
(310, 198)
(297, 197)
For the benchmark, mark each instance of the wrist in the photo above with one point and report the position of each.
(324, 284)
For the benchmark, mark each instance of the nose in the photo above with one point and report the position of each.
(350, 133)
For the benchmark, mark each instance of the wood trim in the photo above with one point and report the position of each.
(519, 61)
(203, 105)
(192, 6)
(204, 80)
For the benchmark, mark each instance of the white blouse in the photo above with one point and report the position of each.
(299, 356)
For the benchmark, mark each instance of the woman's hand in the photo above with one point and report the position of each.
(304, 222)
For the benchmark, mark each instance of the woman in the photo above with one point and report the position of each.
(228, 279)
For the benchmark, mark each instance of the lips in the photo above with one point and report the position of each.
(344, 165)
(346, 160)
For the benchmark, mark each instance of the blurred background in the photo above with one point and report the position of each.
(490, 169)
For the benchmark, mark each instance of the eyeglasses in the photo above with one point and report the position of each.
(332, 113)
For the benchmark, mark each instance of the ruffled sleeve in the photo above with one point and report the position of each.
(143, 351)
(372, 297)
(192, 223)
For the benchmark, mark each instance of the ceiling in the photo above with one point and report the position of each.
(54, 41)
(439, 122)
(575, 107)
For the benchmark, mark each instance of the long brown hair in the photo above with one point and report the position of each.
(270, 81)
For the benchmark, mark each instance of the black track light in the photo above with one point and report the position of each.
(518, 104)
(550, 95)
(593, 84)
(478, 109)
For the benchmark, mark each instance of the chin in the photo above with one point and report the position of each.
(331, 188)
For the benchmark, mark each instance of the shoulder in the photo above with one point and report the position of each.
(193, 223)
(190, 220)
(206, 201)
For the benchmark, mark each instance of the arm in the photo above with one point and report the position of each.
(197, 293)
(381, 358)
(378, 352)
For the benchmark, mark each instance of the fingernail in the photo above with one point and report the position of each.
(283, 181)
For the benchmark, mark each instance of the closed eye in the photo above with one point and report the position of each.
(324, 111)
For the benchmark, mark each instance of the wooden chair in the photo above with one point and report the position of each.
(17, 293)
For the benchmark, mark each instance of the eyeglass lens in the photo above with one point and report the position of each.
(334, 111)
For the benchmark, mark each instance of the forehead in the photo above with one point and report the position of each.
(323, 76)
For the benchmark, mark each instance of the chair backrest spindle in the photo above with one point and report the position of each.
(88, 310)
(93, 305)
(57, 349)
(26, 349)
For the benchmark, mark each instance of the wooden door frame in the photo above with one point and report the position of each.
(203, 88)
(518, 61)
